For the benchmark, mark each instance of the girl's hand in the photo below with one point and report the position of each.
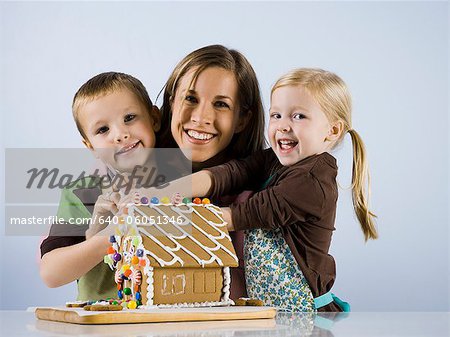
(107, 205)
(226, 214)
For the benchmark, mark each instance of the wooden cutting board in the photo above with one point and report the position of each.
(80, 316)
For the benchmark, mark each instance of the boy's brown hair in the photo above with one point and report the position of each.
(106, 83)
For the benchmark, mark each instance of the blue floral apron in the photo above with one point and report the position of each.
(272, 274)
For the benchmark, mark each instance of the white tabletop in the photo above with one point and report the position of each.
(22, 323)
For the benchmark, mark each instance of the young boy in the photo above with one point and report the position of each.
(116, 120)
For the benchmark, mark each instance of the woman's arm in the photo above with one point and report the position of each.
(197, 184)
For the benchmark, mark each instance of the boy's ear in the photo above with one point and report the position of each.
(156, 118)
(243, 121)
(335, 131)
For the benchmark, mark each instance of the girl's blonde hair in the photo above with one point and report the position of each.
(333, 96)
(251, 138)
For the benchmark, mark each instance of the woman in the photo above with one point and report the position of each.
(212, 111)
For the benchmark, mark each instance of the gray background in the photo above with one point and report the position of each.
(393, 55)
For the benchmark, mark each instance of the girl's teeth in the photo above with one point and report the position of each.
(287, 144)
(198, 135)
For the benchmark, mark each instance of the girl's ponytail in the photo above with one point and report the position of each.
(360, 175)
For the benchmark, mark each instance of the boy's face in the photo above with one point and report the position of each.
(118, 127)
(298, 128)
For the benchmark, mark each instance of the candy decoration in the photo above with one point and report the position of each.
(136, 241)
(142, 262)
(165, 200)
(117, 277)
(136, 288)
(127, 291)
(138, 296)
(132, 305)
(206, 201)
(134, 260)
(186, 200)
(115, 303)
(119, 285)
(110, 250)
(125, 267)
(197, 201)
(127, 272)
(140, 253)
(112, 239)
(136, 198)
(120, 294)
(117, 257)
(176, 198)
(107, 259)
(137, 277)
(144, 200)
(154, 200)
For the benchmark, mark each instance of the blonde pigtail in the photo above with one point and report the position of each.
(360, 175)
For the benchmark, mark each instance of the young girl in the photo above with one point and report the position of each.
(290, 221)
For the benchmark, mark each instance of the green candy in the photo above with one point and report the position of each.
(136, 241)
(127, 291)
(186, 200)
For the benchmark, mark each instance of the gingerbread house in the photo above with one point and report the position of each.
(172, 255)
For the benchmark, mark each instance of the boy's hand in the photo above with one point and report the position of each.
(107, 205)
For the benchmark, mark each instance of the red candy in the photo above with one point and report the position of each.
(197, 201)
(127, 272)
(142, 262)
(110, 250)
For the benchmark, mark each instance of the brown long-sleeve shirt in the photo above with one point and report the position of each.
(299, 199)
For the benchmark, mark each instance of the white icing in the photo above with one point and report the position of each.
(226, 284)
(190, 208)
(163, 263)
(101, 303)
(190, 305)
(150, 289)
(171, 237)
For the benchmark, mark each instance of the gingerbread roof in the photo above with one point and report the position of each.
(189, 235)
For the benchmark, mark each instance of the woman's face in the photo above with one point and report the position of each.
(206, 116)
